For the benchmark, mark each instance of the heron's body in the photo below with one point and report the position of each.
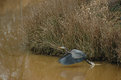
(74, 56)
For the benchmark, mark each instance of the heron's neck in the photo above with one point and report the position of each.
(67, 51)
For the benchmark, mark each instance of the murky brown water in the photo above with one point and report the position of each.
(36, 67)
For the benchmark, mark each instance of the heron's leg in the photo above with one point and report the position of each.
(89, 62)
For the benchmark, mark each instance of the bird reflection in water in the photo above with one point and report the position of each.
(73, 75)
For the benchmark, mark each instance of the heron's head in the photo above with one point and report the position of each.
(62, 47)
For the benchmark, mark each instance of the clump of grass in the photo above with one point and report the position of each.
(86, 25)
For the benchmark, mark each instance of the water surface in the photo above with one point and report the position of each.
(25, 66)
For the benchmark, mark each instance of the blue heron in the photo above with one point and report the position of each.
(73, 56)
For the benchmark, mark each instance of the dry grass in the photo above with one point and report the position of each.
(85, 25)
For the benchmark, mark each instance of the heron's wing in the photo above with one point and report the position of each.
(77, 53)
(68, 60)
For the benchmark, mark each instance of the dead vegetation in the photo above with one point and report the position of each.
(86, 25)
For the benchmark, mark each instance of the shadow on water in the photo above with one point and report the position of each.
(74, 66)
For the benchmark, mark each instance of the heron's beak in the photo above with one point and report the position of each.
(61, 47)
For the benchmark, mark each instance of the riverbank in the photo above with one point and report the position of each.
(90, 26)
